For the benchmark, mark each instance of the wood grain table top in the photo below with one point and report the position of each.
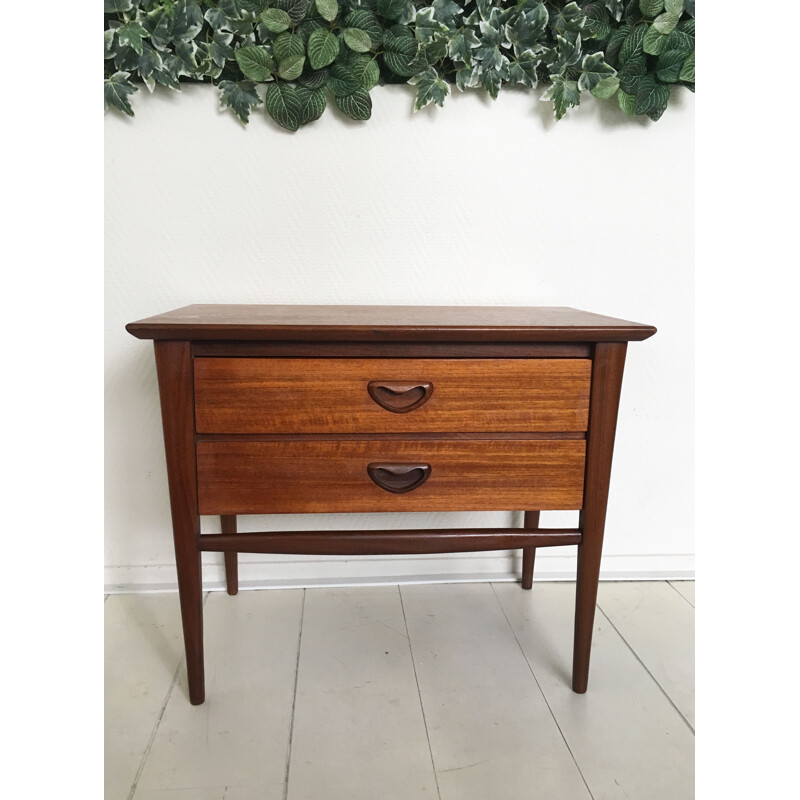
(367, 323)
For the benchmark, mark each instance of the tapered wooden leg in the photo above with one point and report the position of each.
(231, 559)
(530, 522)
(175, 384)
(607, 367)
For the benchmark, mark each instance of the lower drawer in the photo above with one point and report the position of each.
(272, 477)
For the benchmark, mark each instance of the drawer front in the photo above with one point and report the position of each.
(397, 395)
(263, 477)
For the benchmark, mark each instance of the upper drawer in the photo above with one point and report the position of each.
(393, 395)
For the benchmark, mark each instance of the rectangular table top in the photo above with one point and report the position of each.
(386, 323)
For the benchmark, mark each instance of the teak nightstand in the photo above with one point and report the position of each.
(299, 409)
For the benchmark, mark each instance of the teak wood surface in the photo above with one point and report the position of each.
(331, 476)
(288, 395)
(279, 409)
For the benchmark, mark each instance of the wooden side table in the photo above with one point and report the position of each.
(303, 409)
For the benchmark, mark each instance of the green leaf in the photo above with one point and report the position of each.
(674, 6)
(651, 8)
(631, 73)
(296, 9)
(430, 88)
(288, 44)
(116, 7)
(632, 45)
(650, 95)
(606, 88)
(276, 20)
(687, 70)
(328, 9)
(357, 105)
(564, 94)
(668, 66)
(283, 105)
(323, 47)
(654, 41)
(312, 104)
(255, 62)
(390, 9)
(357, 40)
(597, 25)
(290, 68)
(341, 80)
(240, 97)
(314, 79)
(116, 90)
(595, 70)
(366, 21)
(626, 102)
(132, 35)
(400, 47)
(365, 69)
(666, 22)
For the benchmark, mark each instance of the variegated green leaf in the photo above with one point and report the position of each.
(132, 34)
(594, 69)
(461, 46)
(116, 91)
(255, 62)
(240, 97)
(564, 95)
(523, 69)
(117, 6)
(323, 47)
(108, 43)
(430, 88)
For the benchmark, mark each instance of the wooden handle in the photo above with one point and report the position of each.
(399, 478)
(400, 397)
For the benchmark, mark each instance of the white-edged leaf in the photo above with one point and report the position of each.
(116, 90)
(430, 88)
(240, 97)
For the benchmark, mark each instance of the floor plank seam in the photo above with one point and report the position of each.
(544, 696)
(154, 733)
(419, 693)
(294, 699)
(644, 666)
(681, 594)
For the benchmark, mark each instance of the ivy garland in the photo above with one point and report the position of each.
(289, 55)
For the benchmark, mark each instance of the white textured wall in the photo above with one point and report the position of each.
(479, 203)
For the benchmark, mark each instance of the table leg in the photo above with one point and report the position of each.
(607, 368)
(175, 384)
(530, 522)
(231, 558)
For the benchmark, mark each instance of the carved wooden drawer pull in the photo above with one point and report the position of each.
(400, 397)
(399, 478)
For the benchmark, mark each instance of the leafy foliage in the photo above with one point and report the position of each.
(289, 55)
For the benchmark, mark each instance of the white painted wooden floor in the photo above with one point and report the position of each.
(447, 691)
